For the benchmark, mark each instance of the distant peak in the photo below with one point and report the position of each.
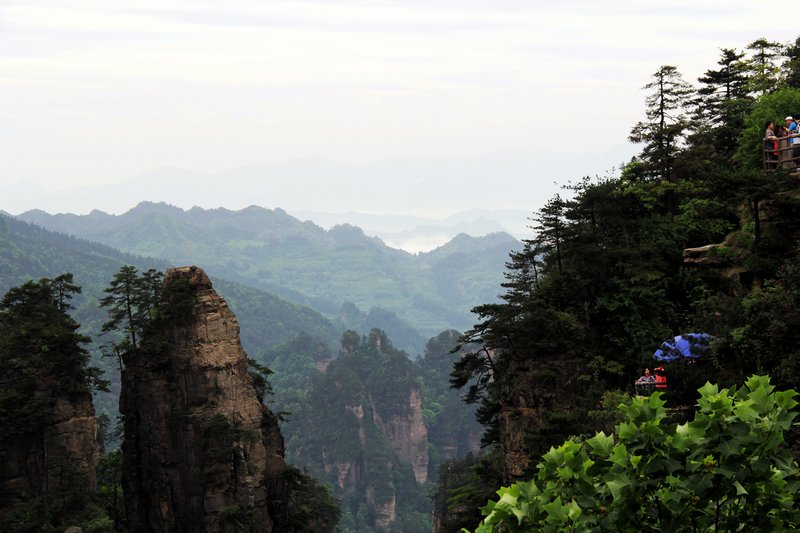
(155, 207)
(33, 212)
(253, 208)
(346, 228)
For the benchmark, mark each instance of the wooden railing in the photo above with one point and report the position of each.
(786, 155)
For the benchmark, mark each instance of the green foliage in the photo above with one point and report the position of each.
(130, 302)
(666, 122)
(221, 435)
(268, 321)
(791, 66)
(144, 310)
(109, 487)
(722, 102)
(604, 281)
(769, 339)
(464, 486)
(259, 373)
(764, 66)
(336, 424)
(40, 353)
(127, 309)
(274, 252)
(37, 516)
(727, 469)
(312, 508)
(598, 297)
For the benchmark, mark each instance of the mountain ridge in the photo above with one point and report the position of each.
(317, 183)
(271, 250)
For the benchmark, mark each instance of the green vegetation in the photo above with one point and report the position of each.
(40, 352)
(221, 436)
(144, 310)
(605, 282)
(132, 300)
(370, 380)
(44, 370)
(728, 469)
(587, 300)
(27, 251)
(312, 507)
(336, 418)
(273, 251)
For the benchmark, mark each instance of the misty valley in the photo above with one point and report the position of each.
(219, 370)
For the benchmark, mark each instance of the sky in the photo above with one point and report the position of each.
(96, 93)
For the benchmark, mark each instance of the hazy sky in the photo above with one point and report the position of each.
(96, 92)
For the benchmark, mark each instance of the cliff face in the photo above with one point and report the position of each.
(407, 435)
(35, 466)
(201, 453)
(48, 432)
(548, 386)
(364, 433)
(728, 266)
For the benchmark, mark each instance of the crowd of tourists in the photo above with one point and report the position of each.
(788, 133)
(648, 382)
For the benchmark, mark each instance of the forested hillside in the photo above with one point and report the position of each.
(372, 423)
(301, 348)
(692, 236)
(273, 251)
(30, 252)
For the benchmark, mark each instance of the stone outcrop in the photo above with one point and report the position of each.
(369, 437)
(201, 453)
(726, 266)
(64, 456)
(408, 435)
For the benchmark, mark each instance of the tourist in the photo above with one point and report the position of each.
(771, 143)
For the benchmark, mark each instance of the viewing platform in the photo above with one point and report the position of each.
(786, 155)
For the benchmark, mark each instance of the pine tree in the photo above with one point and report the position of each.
(763, 64)
(791, 67)
(722, 102)
(122, 301)
(550, 229)
(38, 338)
(666, 122)
(43, 366)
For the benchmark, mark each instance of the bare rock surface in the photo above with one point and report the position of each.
(201, 452)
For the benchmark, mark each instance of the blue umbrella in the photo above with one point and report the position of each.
(690, 345)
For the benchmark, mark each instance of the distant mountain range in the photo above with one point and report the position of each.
(423, 234)
(30, 252)
(306, 264)
(520, 178)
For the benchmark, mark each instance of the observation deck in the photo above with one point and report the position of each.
(786, 155)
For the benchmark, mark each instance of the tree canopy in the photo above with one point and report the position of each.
(691, 235)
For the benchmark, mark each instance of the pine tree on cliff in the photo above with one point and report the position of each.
(39, 347)
(791, 67)
(132, 303)
(662, 132)
(43, 368)
(764, 65)
(122, 301)
(723, 101)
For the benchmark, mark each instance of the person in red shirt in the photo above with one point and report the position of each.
(661, 378)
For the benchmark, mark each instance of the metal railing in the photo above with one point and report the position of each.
(782, 154)
(644, 388)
